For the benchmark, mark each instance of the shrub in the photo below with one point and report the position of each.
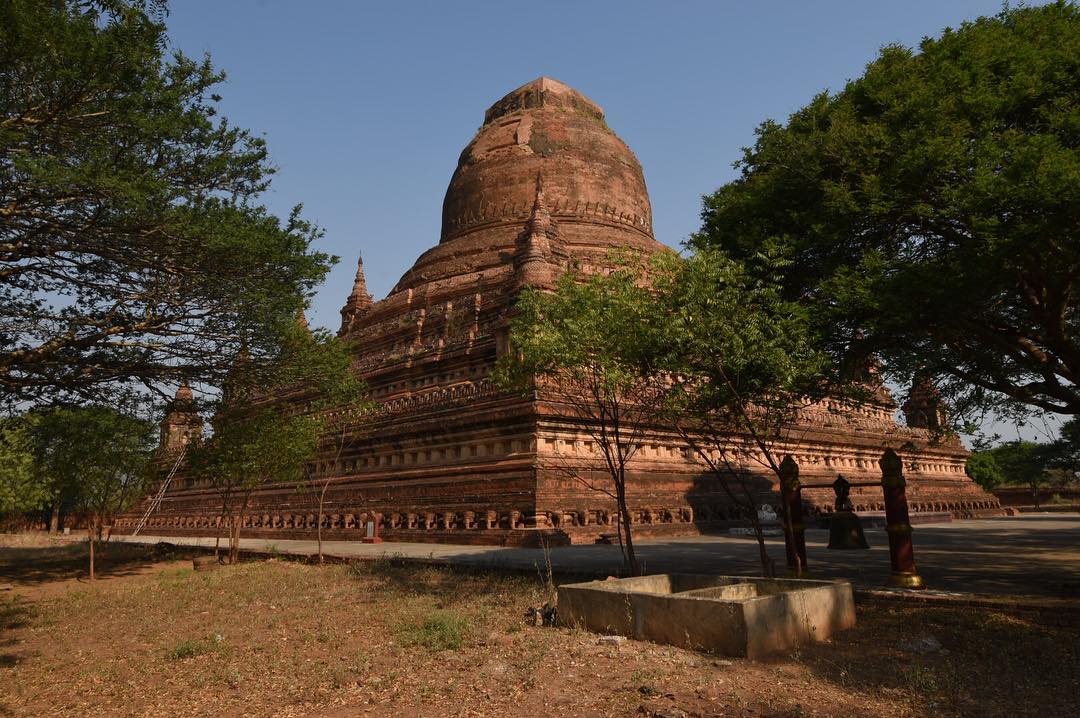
(441, 631)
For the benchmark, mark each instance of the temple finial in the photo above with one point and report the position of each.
(359, 300)
(540, 217)
(533, 259)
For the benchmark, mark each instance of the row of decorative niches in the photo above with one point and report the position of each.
(451, 454)
(469, 391)
(444, 396)
(483, 216)
(357, 519)
(749, 459)
(465, 376)
(420, 345)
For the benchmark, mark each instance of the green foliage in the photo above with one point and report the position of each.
(262, 446)
(741, 356)
(269, 424)
(259, 440)
(1022, 462)
(135, 250)
(592, 329)
(441, 631)
(192, 647)
(932, 207)
(587, 344)
(707, 344)
(1066, 449)
(983, 469)
(742, 361)
(21, 485)
(97, 458)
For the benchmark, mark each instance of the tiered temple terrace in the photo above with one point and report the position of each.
(543, 184)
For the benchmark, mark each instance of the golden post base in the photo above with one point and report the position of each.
(906, 580)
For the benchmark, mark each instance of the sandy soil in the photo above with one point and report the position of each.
(277, 638)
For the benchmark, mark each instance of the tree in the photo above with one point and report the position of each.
(1023, 462)
(253, 448)
(983, 469)
(583, 345)
(269, 425)
(133, 248)
(743, 364)
(933, 206)
(1066, 449)
(97, 457)
(342, 427)
(21, 487)
(343, 423)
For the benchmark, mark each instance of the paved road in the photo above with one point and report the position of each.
(1023, 555)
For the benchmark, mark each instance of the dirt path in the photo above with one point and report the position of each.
(1030, 555)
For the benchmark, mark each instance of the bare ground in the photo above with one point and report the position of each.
(277, 638)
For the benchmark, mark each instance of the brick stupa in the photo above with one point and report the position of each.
(544, 183)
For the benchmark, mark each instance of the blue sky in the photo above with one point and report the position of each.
(366, 106)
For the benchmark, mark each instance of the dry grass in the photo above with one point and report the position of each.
(286, 639)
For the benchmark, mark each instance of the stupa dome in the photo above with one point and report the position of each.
(594, 186)
(544, 127)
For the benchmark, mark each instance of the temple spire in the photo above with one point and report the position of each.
(924, 407)
(184, 395)
(539, 223)
(182, 423)
(359, 300)
(533, 259)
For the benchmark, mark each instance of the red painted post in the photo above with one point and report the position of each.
(898, 523)
(794, 529)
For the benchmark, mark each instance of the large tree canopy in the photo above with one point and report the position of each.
(132, 244)
(931, 209)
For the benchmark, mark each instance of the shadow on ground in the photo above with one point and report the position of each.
(29, 566)
(452, 584)
(14, 614)
(955, 661)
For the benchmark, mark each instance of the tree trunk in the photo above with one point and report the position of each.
(318, 531)
(789, 537)
(631, 557)
(234, 549)
(223, 520)
(54, 519)
(763, 552)
(759, 533)
(624, 528)
(90, 533)
(800, 569)
(234, 544)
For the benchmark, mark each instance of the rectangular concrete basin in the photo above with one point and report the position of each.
(729, 615)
